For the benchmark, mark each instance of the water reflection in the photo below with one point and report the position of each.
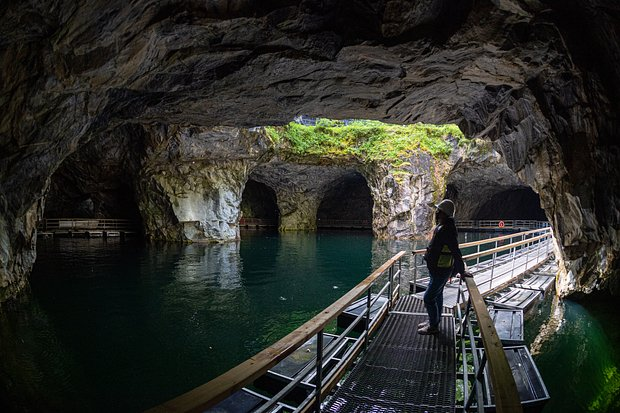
(120, 326)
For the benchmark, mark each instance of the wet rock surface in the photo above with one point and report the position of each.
(539, 79)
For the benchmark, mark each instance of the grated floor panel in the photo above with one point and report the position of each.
(402, 371)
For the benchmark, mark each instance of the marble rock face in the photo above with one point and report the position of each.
(538, 79)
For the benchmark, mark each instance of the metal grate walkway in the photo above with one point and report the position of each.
(402, 371)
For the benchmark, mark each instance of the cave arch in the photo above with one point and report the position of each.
(347, 203)
(491, 191)
(98, 180)
(259, 206)
(513, 203)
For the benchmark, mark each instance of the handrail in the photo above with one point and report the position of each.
(503, 247)
(501, 223)
(68, 224)
(507, 398)
(209, 394)
(365, 222)
(494, 239)
(545, 233)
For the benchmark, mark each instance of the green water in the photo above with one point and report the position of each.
(118, 326)
(576, 348)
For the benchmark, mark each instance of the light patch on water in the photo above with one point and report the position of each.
(550, 327)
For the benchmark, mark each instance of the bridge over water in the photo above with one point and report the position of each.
(377, 362)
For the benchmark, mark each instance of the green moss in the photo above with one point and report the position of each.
(368, 140)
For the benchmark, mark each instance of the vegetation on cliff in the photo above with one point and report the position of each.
(369, 140)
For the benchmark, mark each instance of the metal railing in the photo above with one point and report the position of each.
(507, 398)
(534, 245)
(218, 389)
(258, 222)
(344, 223)
(85, 224)
(500, 224)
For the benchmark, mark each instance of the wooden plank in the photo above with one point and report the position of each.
(504, 385)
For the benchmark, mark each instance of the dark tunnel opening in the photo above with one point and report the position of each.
(516, 203)
(259, 206)
(347, 204)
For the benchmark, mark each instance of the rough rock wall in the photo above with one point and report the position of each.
(538, 78)
(192, 180)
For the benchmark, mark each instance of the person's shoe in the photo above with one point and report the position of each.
(428, 330)
(423, 324)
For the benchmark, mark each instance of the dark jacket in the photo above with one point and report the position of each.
(443, 253)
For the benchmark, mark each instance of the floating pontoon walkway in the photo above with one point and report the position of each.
(402, 371)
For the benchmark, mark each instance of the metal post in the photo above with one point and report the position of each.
(514, 259)
(415, 274)
(527, 255)
(492, 271)
(368, 299)
(390, 275)
(319, 370)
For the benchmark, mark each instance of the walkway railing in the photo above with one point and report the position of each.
(84, 224)
(209, 394)
(532, 247)
(344, 223)
(500, 224)
(507, 398)
(257, 222)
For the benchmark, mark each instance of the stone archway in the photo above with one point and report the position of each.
(513, 203)
(347, 203)
(484, 187)
(259, 201)
(97, 181)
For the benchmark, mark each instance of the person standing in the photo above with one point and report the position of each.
(443, 258)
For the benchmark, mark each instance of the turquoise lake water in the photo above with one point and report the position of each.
(119, 326)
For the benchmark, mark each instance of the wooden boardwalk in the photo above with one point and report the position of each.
(86, 227)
